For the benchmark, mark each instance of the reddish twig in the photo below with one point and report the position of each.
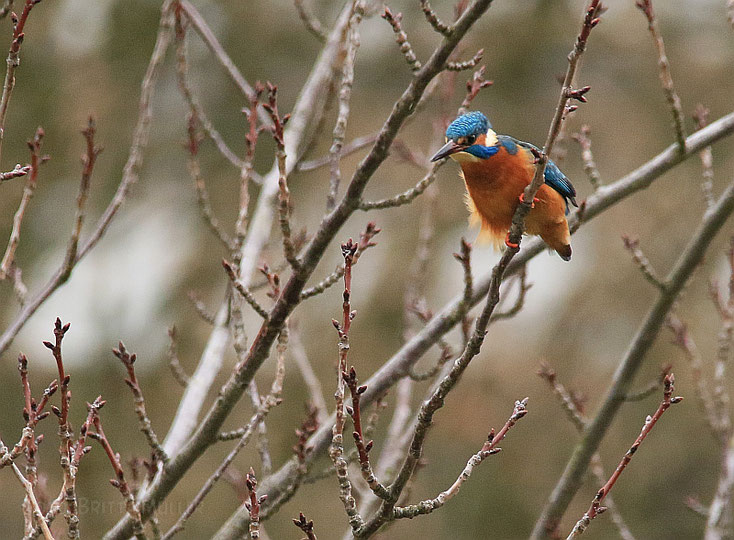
(13, 62)
(254, 504)
(284, 204)
(30, 187)
(17, 172)
(363, 448)
(308, 427)
(349, 250)
(365, 242)
(596, 508)
(119, 481)
(473, 87)
(488, 448)
(305, 526)
(128, 360)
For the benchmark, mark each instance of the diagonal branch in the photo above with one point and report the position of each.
(570, 481)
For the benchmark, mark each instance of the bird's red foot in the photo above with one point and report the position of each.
(522, 200)
(510, 244)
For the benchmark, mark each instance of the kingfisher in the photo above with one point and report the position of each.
(496, 169)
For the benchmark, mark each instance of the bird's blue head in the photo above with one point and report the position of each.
(468, 133)
(470, 124)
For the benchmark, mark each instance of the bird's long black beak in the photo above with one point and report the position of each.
(447, 149)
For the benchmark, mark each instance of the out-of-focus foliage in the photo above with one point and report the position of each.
(81, 57)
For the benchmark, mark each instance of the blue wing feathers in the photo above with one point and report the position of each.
(553, 175)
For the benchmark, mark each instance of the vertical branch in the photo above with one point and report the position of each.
(30, 187)
(345, 94)
(253, 505)
(665, 78)
(592, 172)
(701, 116)
(13, 62)
(88, 160)
(128, 360)
(336, 451)
(246, 170)
(284, 194)
(591, 19)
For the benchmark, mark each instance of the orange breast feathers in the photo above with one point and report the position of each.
(493, 188)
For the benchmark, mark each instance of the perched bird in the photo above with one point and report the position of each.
(496, 170)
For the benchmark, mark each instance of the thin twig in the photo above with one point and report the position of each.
(119, 482)
(431, 16)
(336, 452)
(595, 509)
(310, 21)
(642, 262)
(701, 116)
(365, 242)
(38, 514)
(489, 448)
(664, 71)
(306, 526)
(244, 435)
(407, 196)
(129, 177)
(570, 480)
(683, 339)
(344, 98)
(244, 291)
(195, 108)
(128, 360)
(584, 140)
(30, 187)
(177, 369)
(401, 38)
(17, 172)
(13, 61)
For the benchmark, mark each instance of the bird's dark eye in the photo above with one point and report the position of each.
(470, 139)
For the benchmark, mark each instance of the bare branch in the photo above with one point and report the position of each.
(310, 21)
(489, 448)
(592, 172)
(595, 509)
(401, 38)
(570, 481)
(642, 262)
(13, 61)
(701, 116)
(30, 187)
(437, 24)
(345, 96)
(128, 360)
(665, 78)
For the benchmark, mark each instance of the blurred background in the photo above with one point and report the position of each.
(89, 57)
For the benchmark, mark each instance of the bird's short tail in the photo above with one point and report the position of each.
(564, 252)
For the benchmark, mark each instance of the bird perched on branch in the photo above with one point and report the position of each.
(496, 170)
